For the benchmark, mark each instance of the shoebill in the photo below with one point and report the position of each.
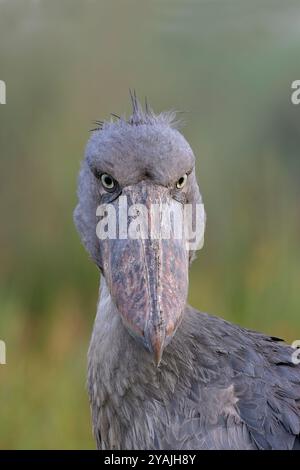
(161, 374)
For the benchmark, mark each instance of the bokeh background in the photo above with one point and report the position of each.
(229, 65)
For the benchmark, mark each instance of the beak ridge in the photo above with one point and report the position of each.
(156, 344)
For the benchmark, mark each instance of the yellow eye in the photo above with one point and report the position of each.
(108, 182)
(181, 182)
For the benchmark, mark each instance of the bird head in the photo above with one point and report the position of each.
(136, 179)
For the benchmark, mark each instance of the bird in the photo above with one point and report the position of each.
(161, 374)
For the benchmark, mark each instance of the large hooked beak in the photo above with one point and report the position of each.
(147, 276)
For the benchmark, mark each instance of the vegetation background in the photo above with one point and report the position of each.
(229, 64)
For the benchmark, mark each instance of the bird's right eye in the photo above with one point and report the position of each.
(108, 182)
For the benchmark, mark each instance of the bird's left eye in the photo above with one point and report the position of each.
(108, 182)
(181, 182)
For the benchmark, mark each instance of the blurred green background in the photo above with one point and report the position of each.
(229, 64)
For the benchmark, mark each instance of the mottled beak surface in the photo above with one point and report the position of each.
(147, 275)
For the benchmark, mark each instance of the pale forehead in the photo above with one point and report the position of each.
(129, 152)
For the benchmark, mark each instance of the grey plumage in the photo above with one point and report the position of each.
(217, 386)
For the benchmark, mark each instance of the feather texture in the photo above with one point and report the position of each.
(218, 386)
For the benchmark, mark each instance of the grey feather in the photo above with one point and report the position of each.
(218, 387)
